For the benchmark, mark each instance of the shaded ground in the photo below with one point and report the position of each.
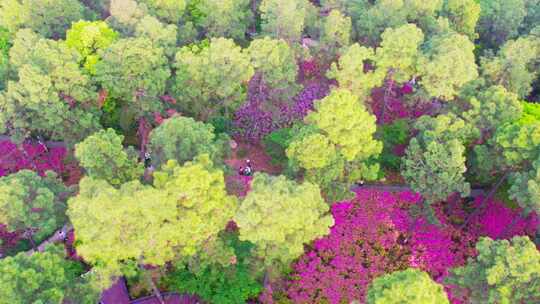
(260, 161)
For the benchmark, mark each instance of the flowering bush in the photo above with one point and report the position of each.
(13, 159)
(363, 244)
(496, 219)
(375, 234)
(258, 117)
(397, 107)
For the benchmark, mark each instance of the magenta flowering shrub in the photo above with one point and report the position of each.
(375, 234)
(303, 102)
(8, 239)
(32, 157)
(396, 106)
(256, 118)
(493, 222)
(364, 243)
(252, 121)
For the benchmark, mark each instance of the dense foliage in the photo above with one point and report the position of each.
(508, 271)
(270, 151)
(44, 277)
(408, 286)
(32, 204)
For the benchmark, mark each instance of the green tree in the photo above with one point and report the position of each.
(347, 124)
(336, 33)
(409, 286)
(44, 277)
(225, 18)
(335, 155)
(499, 21)
(32, 204)
(435, 169)
(463, 16)
(211, 81)
(399, 52)
(503, 272)
(52, 96)
(491, 108)
(373, 17)
(445, 127)
(284, 19)
(103, 157)
(187, 206)
(50, 18)
(183, 138)
(279, 216)
(350, 74)
(88, 38)
(131, 65)
(162, 35)
(275, 61)
(169, 11)
(525, 188)
(229, 283)
(448, 63)
(5, 45)
(124, 15)
(515, 66)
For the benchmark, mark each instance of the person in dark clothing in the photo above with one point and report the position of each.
(248, 171)
(147, 160)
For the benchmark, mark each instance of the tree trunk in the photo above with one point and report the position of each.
(485, 200)
(389, 88)
(156, 291)
(32, 241)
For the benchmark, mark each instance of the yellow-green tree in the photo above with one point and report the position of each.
(52, 96)
(336, 32)
(45, 277)
(279, 216)
(409, 286)
(211, 81)
(345, 121)
(447, 64)
(187, 206)
(399, 52)
(88, 38)
(503, 272)
(463, 16)
(514, 66)
(32, 204)
(103, 157)
(336, 146)
(50, 18)
(274, 60)
(284, 19)
(183, 138)
(350, 74)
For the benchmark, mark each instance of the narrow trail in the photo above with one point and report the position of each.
(401, 188)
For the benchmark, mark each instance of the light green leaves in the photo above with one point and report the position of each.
(503, 272)
(409, 286)
(211, 80)
(103, 157)
(279, 216)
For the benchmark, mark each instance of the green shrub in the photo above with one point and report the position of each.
(276, 143)
(234, 284)
(392, 135)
